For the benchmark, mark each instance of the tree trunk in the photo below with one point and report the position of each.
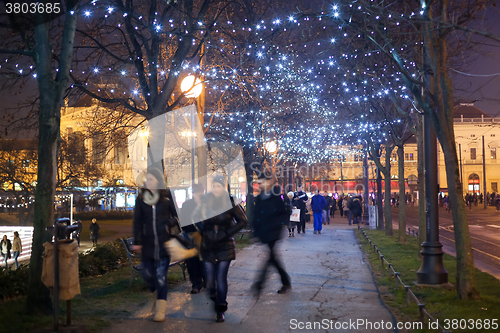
(387, 201)
(50, 94)
(421, 181)
(380, 209)
(38, 295)
(466, 274)
(402, 195)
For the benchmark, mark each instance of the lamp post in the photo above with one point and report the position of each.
(432, 270)
(272, 148)
(192, 87)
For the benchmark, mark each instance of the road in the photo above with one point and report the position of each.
(484, 226)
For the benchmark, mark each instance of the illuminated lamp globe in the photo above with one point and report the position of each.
(271, 147)
(191, 86)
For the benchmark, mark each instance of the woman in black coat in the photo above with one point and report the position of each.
(154, 215)
(94, 232)
(221, 219)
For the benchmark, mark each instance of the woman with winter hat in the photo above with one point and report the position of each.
(154, 215)
(220, 220)
(289, 205)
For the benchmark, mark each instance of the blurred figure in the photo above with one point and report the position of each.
(334, 206)
(217, 245)
(326, 210)
(318, 204)
(289, 205)
(17, 248)
(94, 232)
(154, 216)
(5, 247)
(76, 233)
(340, 204)
(347, 212)
(356, 209)
(269, 214)
(299, 200)
(195, 266)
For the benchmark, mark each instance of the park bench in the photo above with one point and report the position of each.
(136, 269)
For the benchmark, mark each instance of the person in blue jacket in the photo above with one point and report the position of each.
(318, 203)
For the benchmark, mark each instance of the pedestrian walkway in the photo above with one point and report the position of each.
(330, 282)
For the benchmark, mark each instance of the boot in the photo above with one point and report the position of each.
(220, 309)
(161, 306)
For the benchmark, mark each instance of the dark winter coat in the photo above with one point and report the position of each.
(340, 203)
(217, 242)
(299, 200)
(152, 226)
(94, 231)
(268, 217)
(318, 203)
(9, 247)
(329, 202)
(355, 206)
(334, 204)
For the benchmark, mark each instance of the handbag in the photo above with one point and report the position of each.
(295, 216)
(178, 250)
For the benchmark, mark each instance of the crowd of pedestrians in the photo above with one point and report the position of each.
(213, 219)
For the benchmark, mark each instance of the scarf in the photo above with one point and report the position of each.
(151, 197)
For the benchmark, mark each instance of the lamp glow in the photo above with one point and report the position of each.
(191, 86)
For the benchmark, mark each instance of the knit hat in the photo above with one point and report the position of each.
(157, 174)
(219, 179)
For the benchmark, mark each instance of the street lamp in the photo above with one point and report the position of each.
(192, 87)
(272, 148)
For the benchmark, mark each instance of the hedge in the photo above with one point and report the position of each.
(104, 258)
(104, 215)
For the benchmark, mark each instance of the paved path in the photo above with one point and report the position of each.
(330, 281)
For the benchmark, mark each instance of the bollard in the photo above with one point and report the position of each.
(396, 275)
(409, 230)
(390, 267)
(421, 309)
(407, 290)
(382, 259)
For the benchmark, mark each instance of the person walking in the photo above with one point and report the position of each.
(289, 206)
(334, 206)
(221, 219)
(5, 247)
(299, 199)
(76, 233)
(94, 232)
(355, 208)
(328, 207)
(318, 203)
(195, 266)
(154, 216)
(340, 204)
(17, 248)
(347, 211)
(268, 215)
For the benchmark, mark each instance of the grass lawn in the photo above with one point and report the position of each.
(440, 303)
(104, 299)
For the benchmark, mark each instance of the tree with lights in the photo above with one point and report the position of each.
(431, 25)
(31, 39)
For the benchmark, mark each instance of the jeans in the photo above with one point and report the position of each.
(154, 273)
(318, 221)
(349, 216)
(16, 255)
(4, 255)
(196, 272)
(273, 260)
(326, 216)
(216, 275)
